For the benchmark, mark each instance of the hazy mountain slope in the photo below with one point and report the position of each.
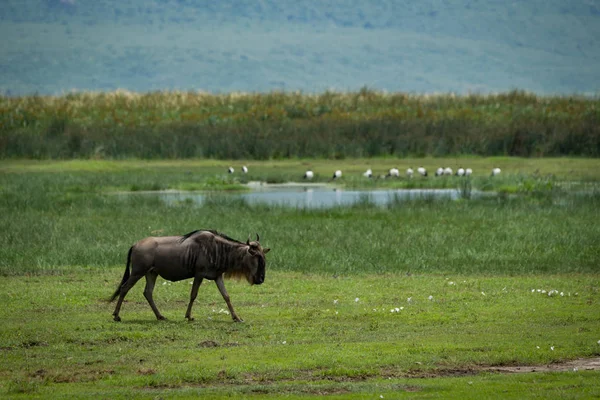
(427, 46)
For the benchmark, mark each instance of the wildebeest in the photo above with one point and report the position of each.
(199, 254)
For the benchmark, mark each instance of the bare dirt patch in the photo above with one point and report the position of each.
(146, 371)
(580, 364)
(208, 343)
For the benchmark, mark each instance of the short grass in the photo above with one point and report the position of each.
(305, 334)
(509, 280)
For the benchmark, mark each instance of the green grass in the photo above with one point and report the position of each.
(304, 333)
(65, 238)
(277, 125)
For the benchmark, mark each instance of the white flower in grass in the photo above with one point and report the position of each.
(335, 301)
(284, 342)
(356, 300)
(483, 293)
(532, 290)
(430, 297)
(451, 283)
(537, 347)
(409, 299)
(562, 294)
(598, 341)
(552, 348)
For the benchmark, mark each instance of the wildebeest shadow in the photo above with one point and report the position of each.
(177, 321)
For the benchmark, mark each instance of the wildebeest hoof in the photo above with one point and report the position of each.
(117, 318)
(238, 320)
(190, 319)
(161, 318)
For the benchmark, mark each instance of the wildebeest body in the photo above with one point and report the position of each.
(203, 254)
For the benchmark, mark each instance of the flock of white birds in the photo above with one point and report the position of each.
(394, 172)
(410, 172)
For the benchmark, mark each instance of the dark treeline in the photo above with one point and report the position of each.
(283, 125)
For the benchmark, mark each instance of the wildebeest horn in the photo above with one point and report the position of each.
(257, 239)
(248, 241)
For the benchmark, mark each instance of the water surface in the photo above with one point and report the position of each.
(300, 196)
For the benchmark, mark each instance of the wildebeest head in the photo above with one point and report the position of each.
(255, 261)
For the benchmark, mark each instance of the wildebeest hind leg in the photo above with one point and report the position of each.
(124, 289)
(193, 294)
(150, 282)
(221, 286)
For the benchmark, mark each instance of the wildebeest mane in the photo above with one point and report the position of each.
(216, 233)
(238, 274)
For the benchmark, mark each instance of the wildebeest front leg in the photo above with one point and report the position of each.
(221, 286)
(193, 294)
(150, 282)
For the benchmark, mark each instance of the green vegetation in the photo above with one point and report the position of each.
(78, 221)
(513, 280)
(291, 125)
(305, 334)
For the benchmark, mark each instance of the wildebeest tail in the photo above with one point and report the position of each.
(125, 276)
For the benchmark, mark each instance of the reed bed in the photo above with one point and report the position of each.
(280, 125)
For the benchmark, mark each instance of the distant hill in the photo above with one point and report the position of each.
(53, 46)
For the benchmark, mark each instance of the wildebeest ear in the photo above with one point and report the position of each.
(265, 251)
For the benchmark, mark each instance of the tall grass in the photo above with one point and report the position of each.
(283, 125)
(52, 221)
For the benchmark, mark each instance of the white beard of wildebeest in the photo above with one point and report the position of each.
(201, 254)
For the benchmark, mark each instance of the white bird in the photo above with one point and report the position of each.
(230, 170)
(409, 172)
(393, 172)
(337, 174)
(468, 172)
(308, 174)
(447, 171)
(439, 171)
(244, 169)
(368, 173)
(496, 171)
(460, 171)
(422, 171)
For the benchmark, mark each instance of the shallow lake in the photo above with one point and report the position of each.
(300, 196)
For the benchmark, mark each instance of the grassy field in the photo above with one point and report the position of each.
(331, 125)
(305, 334)
(420, 298)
